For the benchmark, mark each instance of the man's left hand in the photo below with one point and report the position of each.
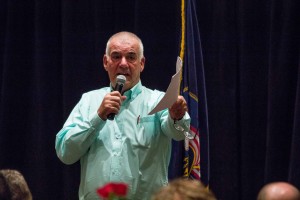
(178, 109)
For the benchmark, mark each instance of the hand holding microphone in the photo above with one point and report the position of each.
(121, 79)
(112, 101)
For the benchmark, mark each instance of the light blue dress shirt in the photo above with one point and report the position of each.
(134, 148)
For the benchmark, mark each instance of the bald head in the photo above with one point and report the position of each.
(125, 35)
(279, 191)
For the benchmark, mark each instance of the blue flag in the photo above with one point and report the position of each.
(194, 91)
(190, 158)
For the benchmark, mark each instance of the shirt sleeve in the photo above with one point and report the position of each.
(167, 125)
(78, 133)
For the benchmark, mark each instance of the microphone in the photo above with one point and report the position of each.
(121, 79)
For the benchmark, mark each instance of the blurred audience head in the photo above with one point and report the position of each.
(4, 189)
(13, 186)
(278, 191)
(184, 189)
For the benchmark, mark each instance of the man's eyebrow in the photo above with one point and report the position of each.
(132, 52)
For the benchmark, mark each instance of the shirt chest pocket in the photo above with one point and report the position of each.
(147, 130)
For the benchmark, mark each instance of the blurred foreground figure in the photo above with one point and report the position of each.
(279, 191)
(13, 186)
(184, 189)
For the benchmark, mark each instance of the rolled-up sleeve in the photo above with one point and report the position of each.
(78, 133)
(168, 128)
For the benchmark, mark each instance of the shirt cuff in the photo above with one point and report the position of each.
(183, 124)
(96, 122)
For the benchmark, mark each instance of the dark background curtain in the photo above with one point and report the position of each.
(51, 52)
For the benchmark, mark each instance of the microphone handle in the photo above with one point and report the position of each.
(111, 116)
(119, 88)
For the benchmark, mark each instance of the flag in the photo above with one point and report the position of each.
(196, 156)
(190, 159)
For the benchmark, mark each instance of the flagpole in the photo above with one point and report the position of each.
(186, 167)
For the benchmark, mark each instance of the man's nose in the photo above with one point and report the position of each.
(124, 62)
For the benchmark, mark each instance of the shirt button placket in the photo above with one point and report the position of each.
(116, 158)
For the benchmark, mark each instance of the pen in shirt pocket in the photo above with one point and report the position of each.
(138, 120)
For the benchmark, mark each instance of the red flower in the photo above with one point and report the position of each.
(113, 190)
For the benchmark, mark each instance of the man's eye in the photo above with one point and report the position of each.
(115, 56)
(131, 57)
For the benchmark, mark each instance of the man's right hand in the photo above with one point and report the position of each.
(111, 104)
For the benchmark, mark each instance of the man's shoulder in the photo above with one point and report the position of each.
(96, 92)
(152, 91)
(152, 95)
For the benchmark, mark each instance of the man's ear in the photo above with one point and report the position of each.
(142, 64)
(105, 62)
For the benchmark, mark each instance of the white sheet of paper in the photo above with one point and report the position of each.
(172, 92)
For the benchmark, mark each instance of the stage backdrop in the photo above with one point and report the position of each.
(51, 52)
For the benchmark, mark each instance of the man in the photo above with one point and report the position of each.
(279, 191)
(134, 147)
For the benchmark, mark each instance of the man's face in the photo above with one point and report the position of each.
(124, 59)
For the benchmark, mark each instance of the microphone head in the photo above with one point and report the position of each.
(121, 79)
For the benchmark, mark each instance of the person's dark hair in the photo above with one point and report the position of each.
(4, 189)
(184, 189)
(14, 185)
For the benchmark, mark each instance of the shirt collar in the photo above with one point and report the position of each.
(133, 92)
